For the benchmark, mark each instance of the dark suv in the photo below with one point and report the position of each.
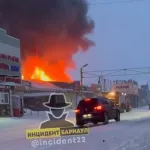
(96, 110)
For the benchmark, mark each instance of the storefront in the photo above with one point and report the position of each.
(10, 71)
(128, 88)
(123, 86)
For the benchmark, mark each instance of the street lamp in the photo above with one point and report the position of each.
(84, 65)
(81, 79)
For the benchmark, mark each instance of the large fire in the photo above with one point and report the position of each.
(35, 68)
(59, 30)
(40, 75)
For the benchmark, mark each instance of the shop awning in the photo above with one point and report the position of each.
(7, 83)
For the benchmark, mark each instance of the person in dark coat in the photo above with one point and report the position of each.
(57, 118)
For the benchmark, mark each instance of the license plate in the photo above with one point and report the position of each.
(87, 116)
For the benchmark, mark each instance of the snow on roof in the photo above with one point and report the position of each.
(37, 94)
(43, 85)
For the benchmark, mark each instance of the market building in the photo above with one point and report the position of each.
(144, 95)
(10, 75)
(125, 86)
(128, 87)
(39, 92)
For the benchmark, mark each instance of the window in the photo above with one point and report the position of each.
(91, 103)
(103, 100)
(2, 95)
(41, 99)
(4, 98)
(110, 102)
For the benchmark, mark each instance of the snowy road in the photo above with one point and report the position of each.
(131, 133)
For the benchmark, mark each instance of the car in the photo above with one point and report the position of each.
(99, 109)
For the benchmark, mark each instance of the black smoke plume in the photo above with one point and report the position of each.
(56, 29)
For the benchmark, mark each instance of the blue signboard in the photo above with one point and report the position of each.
(14, 68)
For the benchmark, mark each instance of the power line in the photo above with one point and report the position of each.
(96, 76)
(103, 74)
(91, 74)
(137, 71)
(125, 69)
(113, 2)
(113, 72)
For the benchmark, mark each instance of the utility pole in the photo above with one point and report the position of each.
(104, 85)
(81, 79)
(99, 80)
(99, 85)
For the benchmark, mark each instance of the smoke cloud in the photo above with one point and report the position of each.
(51, 29)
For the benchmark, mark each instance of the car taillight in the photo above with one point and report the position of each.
(98, 108)
(77, 110)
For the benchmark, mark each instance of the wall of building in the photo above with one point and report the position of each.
(128, 87)
(10, 56)
(34, 101)
(144, 95)
(148, 97)
(10, 70)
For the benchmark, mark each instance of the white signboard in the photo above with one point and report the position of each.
(4, 98)
(128, 87)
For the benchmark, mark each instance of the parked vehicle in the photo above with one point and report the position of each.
(95, 110)
(119, 99)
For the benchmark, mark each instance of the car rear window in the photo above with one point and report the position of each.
(102, 100)
(91, 102)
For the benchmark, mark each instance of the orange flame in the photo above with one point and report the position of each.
(40, 75)
(35, 68)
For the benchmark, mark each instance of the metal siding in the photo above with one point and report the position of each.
(9, 46)
(6, 39)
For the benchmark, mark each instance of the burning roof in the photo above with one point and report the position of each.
(51, 32)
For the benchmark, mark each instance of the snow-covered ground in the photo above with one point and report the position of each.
(131, 133)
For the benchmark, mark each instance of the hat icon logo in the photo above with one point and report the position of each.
(57, 116)
(57, 101)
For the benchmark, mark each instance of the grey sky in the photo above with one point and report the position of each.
(122, 37)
